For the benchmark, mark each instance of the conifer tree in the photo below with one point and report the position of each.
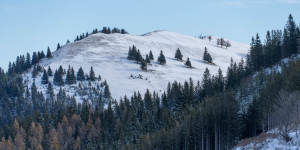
(80, 75)
(151, 55)
(58, 78)
(45, 79)
(92, 75)
(206, 56)
(49, 72)
(49, 54)
(178, 54)
(34, 72)
(143, 65)
(35, 58)
(188, 63)
(147, 59)
(161, 59)
(58, 46)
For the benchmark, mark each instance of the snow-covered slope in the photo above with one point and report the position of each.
(270, 141)
(107, 53)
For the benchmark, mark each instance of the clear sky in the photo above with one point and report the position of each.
(33, 25)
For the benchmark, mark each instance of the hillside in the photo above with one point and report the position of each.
(107, 53)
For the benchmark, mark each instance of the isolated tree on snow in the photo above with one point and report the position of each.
(209, 38)
(151, 55)
(92, 75)
(206, 56)
(178, 54)
(45, 79)
(49, 54)
(161, 59)
(222, 42)
(144, 65)
(188, 63)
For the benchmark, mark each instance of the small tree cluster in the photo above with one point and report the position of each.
(222, 42)
(134, 54)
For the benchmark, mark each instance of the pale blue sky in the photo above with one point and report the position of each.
(32, 25)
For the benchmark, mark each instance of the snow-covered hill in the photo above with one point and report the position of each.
(107, 53)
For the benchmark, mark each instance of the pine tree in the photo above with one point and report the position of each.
(107, 91)
(92, 75)
(147, 59)
(138, 57)
(68, 76)
(58, 78)
(35, 58)
(143, 65)
(178, 54)
(206, 56)
(161, 59)
(151, 55)
(45, 79)
(73, 76)
(58, 46)
(188, 63)
(49, 54)
(34, 72)
(80, 75)
(49, 72)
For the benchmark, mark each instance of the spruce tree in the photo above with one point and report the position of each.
(49, 72)
(35, 58)
(147, 59)
(92, 75)
(206, 56)
(34, 72)
(58, 78)
(161, 59)
(68, 76)
(151, 55)
(188, 63)
(58, 46)
(143, 65)
(45, 79)
(49, 54)
(80, 75)
(178, 54)
(73, 76)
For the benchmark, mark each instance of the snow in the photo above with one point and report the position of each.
(272, 140)
(107, 53)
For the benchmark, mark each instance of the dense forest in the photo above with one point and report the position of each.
(204, 114)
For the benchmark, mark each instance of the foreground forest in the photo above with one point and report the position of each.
(256, 95)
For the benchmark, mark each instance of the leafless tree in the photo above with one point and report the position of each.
(287, 113)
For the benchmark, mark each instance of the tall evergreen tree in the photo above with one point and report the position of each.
(80, 75)
(206, 56)
(45, 79)
(161, 59)
(49, 54)
(178, 54)
(92, 76)
(151, 55)
(49, 72)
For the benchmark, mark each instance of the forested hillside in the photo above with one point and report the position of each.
(255, 95)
